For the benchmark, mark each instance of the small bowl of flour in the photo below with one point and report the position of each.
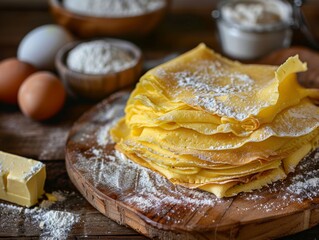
(95, 69)
(93, 18)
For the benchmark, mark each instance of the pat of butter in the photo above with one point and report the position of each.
(21, 180)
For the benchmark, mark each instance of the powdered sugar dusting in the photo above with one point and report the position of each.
(304, 118)
(148, 191)
(194, 81)
(210, 84)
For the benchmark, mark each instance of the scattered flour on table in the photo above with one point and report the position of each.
(54, 224)
(55, 140)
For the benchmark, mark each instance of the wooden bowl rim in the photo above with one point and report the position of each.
(60, 59)
(58, 5)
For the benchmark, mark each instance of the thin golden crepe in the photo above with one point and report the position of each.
(206, 122)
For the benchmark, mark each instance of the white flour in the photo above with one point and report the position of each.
(305, 183)
(54, 142)
(48, 224)
(302, 185)
(256, 14)
(113, 8)
(103, 136)
(207, 95)
(98, 57)
(116, 172)
(151, 191)
(56, 224)
(148, 191)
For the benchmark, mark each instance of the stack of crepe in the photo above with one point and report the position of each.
(204, 121)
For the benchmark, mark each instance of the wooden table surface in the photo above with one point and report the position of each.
(180, 31)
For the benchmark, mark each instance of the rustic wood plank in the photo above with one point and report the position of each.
(40, 140)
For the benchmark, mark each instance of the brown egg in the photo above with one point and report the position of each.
(41, 96)
(12, 73)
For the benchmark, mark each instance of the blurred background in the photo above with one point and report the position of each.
(187, 23)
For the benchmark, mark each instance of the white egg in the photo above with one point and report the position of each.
(40, 46)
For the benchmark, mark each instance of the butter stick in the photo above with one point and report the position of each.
(21, 180)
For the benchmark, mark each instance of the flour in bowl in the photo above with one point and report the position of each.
(98, 57)
(113, 8)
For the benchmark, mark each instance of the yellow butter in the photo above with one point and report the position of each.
(21, 180)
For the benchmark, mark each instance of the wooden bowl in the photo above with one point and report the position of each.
(98, 86)
(88, 26)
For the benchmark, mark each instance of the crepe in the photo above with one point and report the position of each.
(206, 122)
(239, 97)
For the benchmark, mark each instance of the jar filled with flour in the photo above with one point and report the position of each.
(249, 29)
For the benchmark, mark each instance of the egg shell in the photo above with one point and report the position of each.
(40, 46)
(12, 73)
(41, 96)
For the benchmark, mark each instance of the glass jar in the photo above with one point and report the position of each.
(249, 29)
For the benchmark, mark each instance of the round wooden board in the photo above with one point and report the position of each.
(147, 202)
(135, 196)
